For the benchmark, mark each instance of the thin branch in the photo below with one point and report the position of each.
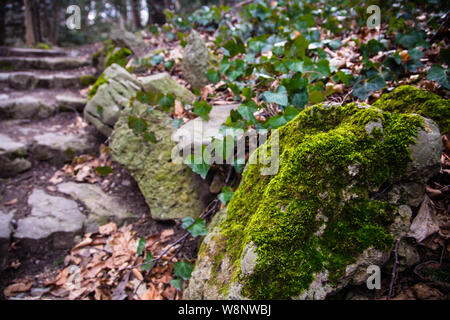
(394, 270)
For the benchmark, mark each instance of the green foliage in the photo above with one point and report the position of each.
(440, 75)
(183, 269)
(101, 80)
(202, 109)
(104, 171)
(226, 195)
(119, 56)
(199, 163)
(195, 227)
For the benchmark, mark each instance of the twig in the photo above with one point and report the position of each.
(346, 96)
(394, 270)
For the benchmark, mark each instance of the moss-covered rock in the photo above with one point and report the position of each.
(171, 190)
(317, 224)
(409, 99)
(196, 61)
(119, 56)
(111, 92)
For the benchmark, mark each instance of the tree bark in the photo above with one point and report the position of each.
(29, 25)
(36, 20)
(2, 22)
(136, 14)
(46, 21)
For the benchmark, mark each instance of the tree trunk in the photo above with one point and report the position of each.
(2, 22)
(46, 20)
(35, 10)
(136, 10)
(29, 25)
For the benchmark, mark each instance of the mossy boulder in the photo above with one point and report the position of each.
(163, 84)
(326, 215)
(119, 56)
(171, 190)
(111, 93)
(409, 99)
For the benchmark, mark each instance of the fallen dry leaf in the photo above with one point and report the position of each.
(15, 288)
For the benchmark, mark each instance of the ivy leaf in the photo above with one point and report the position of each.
(176, 283)
(141, 246)
(275, 122)
(316, 97)
(226, 195)
(150, 136)
(148, 262)
(104, 171)
(202, 109)
(168, 64)
(213, 76)
(187, 222)
(363, 90)
(156, 59)
(280, 97)
(438, 73)
(247, 111)
(138, 125)
(167, 102)
(223, 148)
(198, 228)
(198, 164)
(234, 47)
(290, 113)
(183, 269)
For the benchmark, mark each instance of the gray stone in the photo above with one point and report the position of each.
(45, 63)
(12, 157)
(196, 61)
(123, 38)
(22, 81)
(5, 234)
(103, 109)
(162, 83)
(49, 215)
(250, 220)
(26, 107)
(60, 147)
(170, 189)
(102, 207)
(199, 132)
(70, 103)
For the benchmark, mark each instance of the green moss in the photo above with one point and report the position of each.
(43, 46)
(87, 80)
(6, 66)
(279, 213)
(119, 56)
(101, 80)
(409, 99)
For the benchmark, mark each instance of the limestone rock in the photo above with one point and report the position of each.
(102, 207)
(196, 61)
(43, 63)
(12, 157)
(314, 226)
(5, 234)
(103, 109)
(162, 83)
(60, 147)
(199, 132)
(49, 215)
(70, 103)
(123, 38)
(171, 190)
(26, 107)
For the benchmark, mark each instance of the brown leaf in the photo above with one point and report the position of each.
(167, 234)
(151, 294)
(15, 288)
(10, 203)
(108, 229)
(424, 224)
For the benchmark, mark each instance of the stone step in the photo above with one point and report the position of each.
(28, 52)
(38, 63)
(39, 104)
(56, 80)
(56, 140)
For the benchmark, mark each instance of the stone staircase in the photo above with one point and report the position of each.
(36, 85)
(41, 129)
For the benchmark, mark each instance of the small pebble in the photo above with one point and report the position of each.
(126, 183)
